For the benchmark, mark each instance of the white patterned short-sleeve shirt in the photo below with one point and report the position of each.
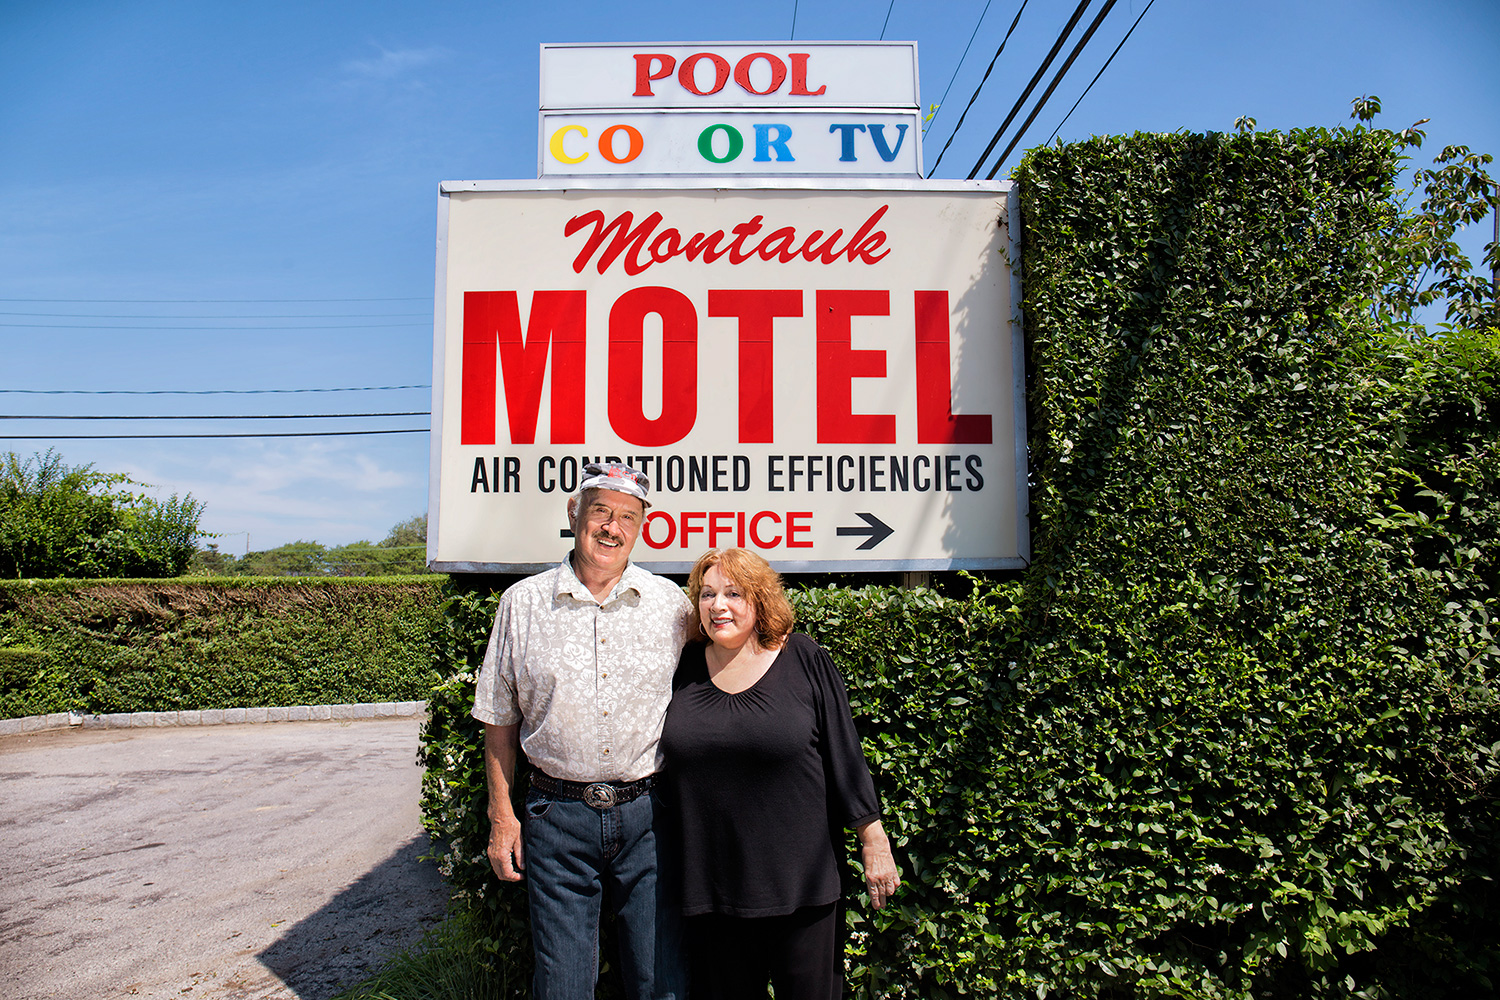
(588, 681)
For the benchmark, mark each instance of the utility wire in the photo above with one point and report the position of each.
(274, 434)
(414, 298)
(1056, 47)
(887, 19)
(34, 315)
(975, 96)
(201, 392)
(1098, 74)
(221, 329)
(216, 416)
(793, 35)
(1062, 72)
(956, 67)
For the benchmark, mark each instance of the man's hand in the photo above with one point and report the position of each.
(505, 853)
(501, 747)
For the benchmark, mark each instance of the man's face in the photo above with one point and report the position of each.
(605, 528)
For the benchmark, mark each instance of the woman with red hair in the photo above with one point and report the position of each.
(762, 752)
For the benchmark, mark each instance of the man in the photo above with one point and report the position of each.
(577, 675)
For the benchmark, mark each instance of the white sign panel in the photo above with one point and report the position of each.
(828, 377)
(730, 75)
(787, 143)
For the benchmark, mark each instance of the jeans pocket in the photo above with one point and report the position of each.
(537, 805)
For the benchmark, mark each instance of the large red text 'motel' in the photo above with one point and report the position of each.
(555, 329)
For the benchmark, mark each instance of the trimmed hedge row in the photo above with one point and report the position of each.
(1235, 732)
(157, 646)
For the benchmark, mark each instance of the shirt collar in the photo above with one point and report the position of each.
(568, 582)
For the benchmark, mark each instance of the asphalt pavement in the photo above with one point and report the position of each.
(235, 862)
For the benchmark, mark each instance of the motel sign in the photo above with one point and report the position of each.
(824, 369)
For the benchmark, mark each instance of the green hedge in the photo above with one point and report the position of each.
(153, 645)
(1234, 733)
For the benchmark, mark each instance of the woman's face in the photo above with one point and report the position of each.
(727, 614)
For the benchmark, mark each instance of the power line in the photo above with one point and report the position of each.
(215, 416)
(222, 329)
(887, 19)
(957, 66)
(1062, 72)
(202, 392)
(274, 434)
(1099, 74)
(975, 96)
(190, 316)
(1035, 79)
(413, 298)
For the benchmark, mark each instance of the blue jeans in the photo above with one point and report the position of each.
(577, 859)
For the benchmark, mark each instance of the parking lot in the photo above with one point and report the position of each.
(235, 861)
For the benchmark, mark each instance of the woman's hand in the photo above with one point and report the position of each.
(881, 877)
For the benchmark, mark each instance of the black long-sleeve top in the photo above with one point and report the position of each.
(765, 780)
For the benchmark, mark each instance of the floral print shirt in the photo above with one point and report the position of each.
(588, 681)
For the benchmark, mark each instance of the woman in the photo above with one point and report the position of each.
(762, 751)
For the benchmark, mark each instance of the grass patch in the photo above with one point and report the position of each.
(450, 962)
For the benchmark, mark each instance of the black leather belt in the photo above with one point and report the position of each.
(599, 794)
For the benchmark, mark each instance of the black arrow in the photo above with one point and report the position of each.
(877, 529)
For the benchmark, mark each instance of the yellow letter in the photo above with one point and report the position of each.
(556, 145)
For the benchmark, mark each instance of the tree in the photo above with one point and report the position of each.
(412, 531)
(292, 559)
(404, 550)
(62, 521)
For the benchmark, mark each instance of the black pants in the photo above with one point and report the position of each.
(734, 958)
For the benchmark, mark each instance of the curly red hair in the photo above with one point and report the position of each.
(774, 617)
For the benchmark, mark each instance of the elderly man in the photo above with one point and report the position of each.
(577, 675)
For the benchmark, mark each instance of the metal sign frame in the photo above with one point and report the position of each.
(443, 421)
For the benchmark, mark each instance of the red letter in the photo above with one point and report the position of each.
(860, 246)
(679, 377)
(839, 364)
(690, 65)
(646, 529)
(756, 309)
(644, 75)
(493, 319)
(793, 528)
(936, 423)
(688, 528)
(714, 529)
(624, 235)
(761, 543)
(742, 73)
(799, 76)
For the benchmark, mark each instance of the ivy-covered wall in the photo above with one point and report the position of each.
(1234, 733)
(91, 646)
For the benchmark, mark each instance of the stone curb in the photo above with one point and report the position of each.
(214, 717)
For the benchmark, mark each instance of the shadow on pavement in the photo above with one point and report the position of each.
(358, 930)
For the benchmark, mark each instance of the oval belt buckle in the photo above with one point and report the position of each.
(599, 795)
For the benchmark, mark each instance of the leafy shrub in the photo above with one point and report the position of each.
(57, 521)
(1234, 733)
(30, 683)
(138, 646)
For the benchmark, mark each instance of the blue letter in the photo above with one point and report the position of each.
(877, 132)
(764, 143)
(848, 130)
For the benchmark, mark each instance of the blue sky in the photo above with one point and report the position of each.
(228, 196)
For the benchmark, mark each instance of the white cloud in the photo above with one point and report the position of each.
(314, 491)
(391, 63)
